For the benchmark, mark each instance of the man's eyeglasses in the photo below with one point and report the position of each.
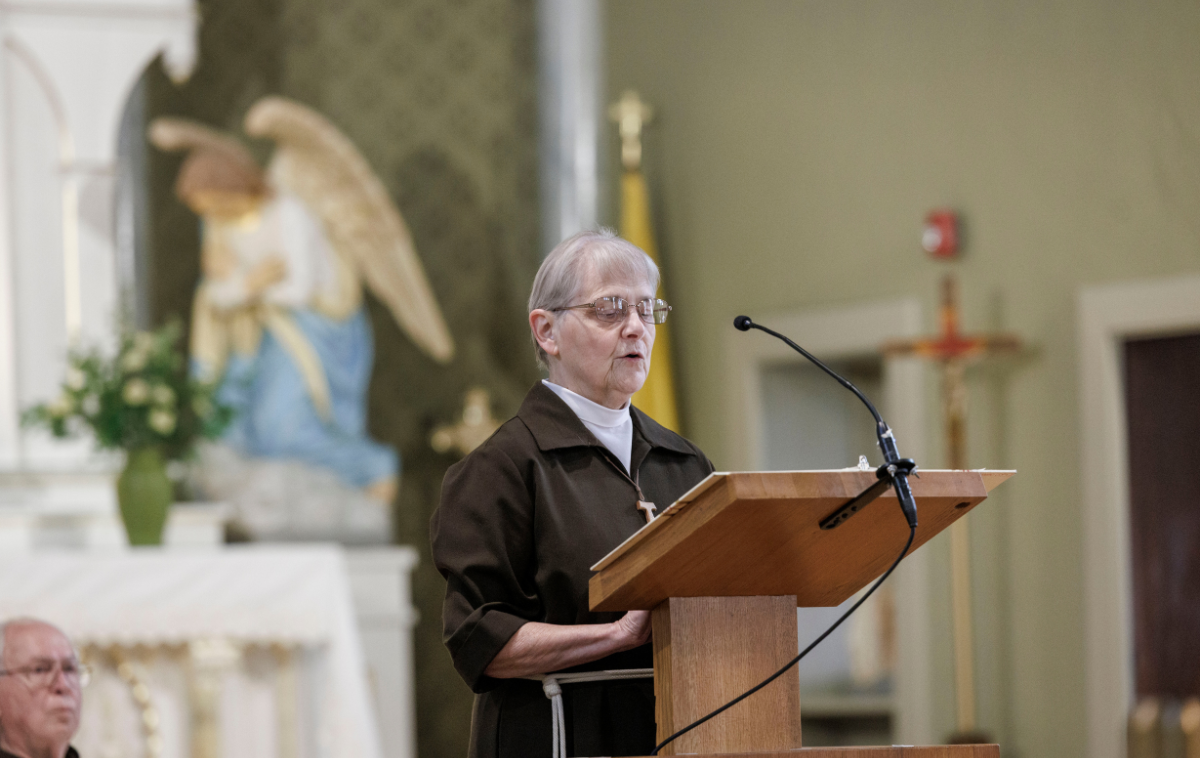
(612, 310)
(41, 675)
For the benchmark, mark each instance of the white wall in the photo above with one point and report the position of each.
(66, 70)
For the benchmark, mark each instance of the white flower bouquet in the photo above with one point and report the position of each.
(142, 397)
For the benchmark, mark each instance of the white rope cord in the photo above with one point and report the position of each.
(551, 686)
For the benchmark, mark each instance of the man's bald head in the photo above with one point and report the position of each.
(16, 622)
(40, 693)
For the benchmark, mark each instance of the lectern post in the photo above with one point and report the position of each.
(709, 650)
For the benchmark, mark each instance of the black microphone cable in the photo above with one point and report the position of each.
(912, 533)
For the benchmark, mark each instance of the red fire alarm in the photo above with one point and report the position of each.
(940, 238)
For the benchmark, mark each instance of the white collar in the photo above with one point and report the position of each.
(588, 411)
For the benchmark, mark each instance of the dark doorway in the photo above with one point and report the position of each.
(1162, 401)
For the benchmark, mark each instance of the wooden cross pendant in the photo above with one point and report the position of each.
(648, 509)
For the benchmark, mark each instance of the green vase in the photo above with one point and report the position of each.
(144, 493)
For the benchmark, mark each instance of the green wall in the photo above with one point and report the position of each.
(440, 98)
(799, 144)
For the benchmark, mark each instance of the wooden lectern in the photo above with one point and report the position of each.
(723, 570)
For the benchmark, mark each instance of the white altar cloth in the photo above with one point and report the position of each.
(254, 594)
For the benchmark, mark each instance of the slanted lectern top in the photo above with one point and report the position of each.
(724, 568)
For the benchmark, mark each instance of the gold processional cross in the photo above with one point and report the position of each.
(954, 350)
(631, 114)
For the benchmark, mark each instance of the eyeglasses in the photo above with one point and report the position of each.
(41, 674)
(611, 310)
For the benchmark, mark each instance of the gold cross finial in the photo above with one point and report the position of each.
(631, 114)
(476, 426)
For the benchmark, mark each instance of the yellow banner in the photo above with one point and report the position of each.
(657, 396)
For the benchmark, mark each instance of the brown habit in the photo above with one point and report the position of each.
(522, 520)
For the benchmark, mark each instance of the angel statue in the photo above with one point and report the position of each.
(278, 318)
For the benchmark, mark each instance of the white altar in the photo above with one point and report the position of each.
(238, 652)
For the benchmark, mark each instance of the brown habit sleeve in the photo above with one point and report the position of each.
(482, 537)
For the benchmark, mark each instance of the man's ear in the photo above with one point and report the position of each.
(541, 323)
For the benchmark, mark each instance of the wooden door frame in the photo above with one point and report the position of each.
(836, 333)
(1108, 315)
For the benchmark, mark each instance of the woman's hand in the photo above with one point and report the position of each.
(636, 625)
(539, 648)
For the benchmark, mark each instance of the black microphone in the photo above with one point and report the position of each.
(894, 469)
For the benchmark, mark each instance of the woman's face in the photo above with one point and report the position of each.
(604, 362)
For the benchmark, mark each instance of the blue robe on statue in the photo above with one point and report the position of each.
(274, 413)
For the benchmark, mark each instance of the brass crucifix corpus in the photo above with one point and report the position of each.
(954, 351)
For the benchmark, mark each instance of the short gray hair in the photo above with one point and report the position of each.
(571, 261)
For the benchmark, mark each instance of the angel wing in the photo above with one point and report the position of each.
(322, 167)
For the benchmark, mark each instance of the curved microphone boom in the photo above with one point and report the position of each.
(894, 469)
(894, 472)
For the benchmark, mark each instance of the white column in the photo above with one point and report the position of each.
(569, 96)
(66, 70)
(9, 408)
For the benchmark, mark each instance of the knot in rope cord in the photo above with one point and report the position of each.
(552, 686)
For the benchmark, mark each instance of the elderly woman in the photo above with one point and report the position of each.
(525, 516)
